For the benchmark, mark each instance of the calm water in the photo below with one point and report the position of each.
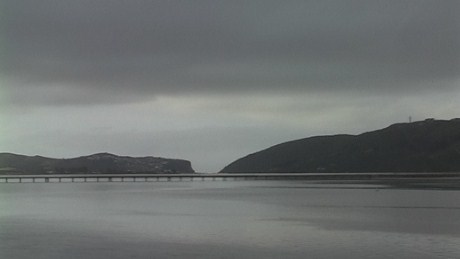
(226, 220)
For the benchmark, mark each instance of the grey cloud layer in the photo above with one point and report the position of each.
(98, 49)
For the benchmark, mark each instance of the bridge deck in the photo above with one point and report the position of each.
(217, 177)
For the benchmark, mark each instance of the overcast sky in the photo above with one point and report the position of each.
(212, 80)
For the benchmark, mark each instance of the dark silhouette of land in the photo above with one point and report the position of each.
(422, 146)
(97, 163)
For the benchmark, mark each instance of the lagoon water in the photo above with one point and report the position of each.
(240, 219)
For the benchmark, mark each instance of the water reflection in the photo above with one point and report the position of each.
(226, 220)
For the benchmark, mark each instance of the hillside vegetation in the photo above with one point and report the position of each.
(97, 163)
(423, 146)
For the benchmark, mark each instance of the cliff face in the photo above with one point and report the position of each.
(97, 163)
(424, 146)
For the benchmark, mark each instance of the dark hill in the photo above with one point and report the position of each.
(423, 146)
(97, 163)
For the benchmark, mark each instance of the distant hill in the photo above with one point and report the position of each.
(423, 146)
(97, 163)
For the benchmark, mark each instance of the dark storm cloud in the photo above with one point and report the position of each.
(93, 51)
